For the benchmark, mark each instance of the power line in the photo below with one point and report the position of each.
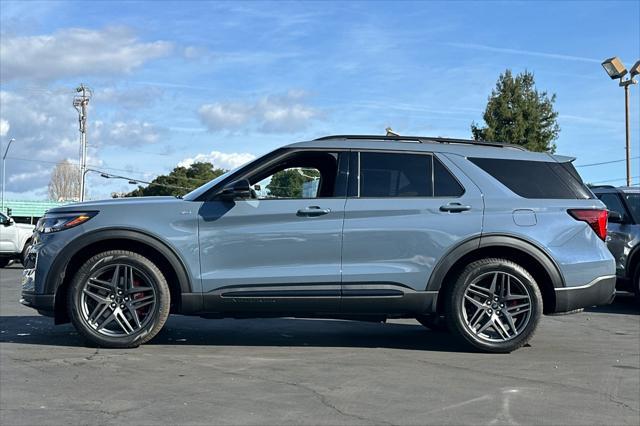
(616, 180)
(605, 162)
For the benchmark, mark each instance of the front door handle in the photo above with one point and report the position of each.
(454, 208)
(313, 211)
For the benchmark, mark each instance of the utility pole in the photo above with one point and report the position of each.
(4, 168)
(81, 103)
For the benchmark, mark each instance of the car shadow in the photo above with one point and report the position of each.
(624, 303)
(277, 332)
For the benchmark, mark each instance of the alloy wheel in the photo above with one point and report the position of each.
(118, 300)
(496, 306)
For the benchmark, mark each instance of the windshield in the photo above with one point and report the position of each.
(204, 188)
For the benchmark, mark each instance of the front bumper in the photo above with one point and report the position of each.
(44, 303)
(600, 291)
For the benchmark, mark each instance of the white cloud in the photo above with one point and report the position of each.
(45, 127)
(219, 159)
(76, 52)
(270, 114)
(227, 116)
(125, 133)
(4, 127)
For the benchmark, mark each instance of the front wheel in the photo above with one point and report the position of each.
(495, 305)
(119, 299)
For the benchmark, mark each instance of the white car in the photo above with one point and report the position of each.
(15, 239)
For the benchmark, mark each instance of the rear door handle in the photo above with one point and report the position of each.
(454, 208)
(313, 211)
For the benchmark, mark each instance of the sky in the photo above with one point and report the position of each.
(177, 82)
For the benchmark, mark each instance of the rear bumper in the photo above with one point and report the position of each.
(598, 292)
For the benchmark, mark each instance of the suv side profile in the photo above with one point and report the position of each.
(623, 234)
(486, 236)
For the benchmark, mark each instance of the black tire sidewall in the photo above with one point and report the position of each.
(161, 308)
(455, 316)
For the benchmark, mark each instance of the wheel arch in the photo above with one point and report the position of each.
(73, 256)
(633, 261)
(534, 259)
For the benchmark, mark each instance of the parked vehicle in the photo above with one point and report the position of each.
(623, 233)
(15, 239)
(488, 236)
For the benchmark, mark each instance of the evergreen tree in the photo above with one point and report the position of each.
(517, 113)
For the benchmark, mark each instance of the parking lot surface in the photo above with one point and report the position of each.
(579, 369)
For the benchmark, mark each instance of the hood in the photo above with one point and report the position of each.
(114, 202)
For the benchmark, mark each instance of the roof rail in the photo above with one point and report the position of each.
(420, 139)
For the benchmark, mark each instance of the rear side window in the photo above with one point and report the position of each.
(444, 184)
(395, 175)
(536, 179)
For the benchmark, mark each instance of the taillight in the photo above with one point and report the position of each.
(597, 220)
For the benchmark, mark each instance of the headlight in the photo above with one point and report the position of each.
(60, 221)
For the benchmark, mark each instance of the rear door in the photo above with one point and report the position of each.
(405, 210)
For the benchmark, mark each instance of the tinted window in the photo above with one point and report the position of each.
(444, 184)
(633, 201)
(395, 175)
(536, 179)
(613, 203)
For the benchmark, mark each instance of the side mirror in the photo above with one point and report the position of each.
(236, 190)
(615, 217)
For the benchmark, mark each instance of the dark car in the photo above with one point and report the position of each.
(623, 233)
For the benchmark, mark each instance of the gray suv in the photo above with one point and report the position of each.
(486, 236)
(623, 236)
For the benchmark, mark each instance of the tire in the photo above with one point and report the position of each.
(4, 262)
(118, 299)
(25, 250)
(434, 322)
(635, 283)
(509, 320)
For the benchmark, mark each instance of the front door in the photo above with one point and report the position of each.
(279, 250)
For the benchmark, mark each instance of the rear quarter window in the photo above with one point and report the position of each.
(536, 179)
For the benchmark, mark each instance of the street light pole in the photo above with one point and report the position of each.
(616, 70)
(626, 85)
(4, 168)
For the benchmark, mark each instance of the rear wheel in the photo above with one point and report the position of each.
(495, 305)
(119, 299)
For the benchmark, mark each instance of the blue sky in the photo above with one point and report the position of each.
(177, 81)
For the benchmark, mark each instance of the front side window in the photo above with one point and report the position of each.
(305, 174)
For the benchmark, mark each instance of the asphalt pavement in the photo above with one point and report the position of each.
(581, 369)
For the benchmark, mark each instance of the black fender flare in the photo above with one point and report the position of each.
(494, 240)
(56, 273)
(632, 260)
